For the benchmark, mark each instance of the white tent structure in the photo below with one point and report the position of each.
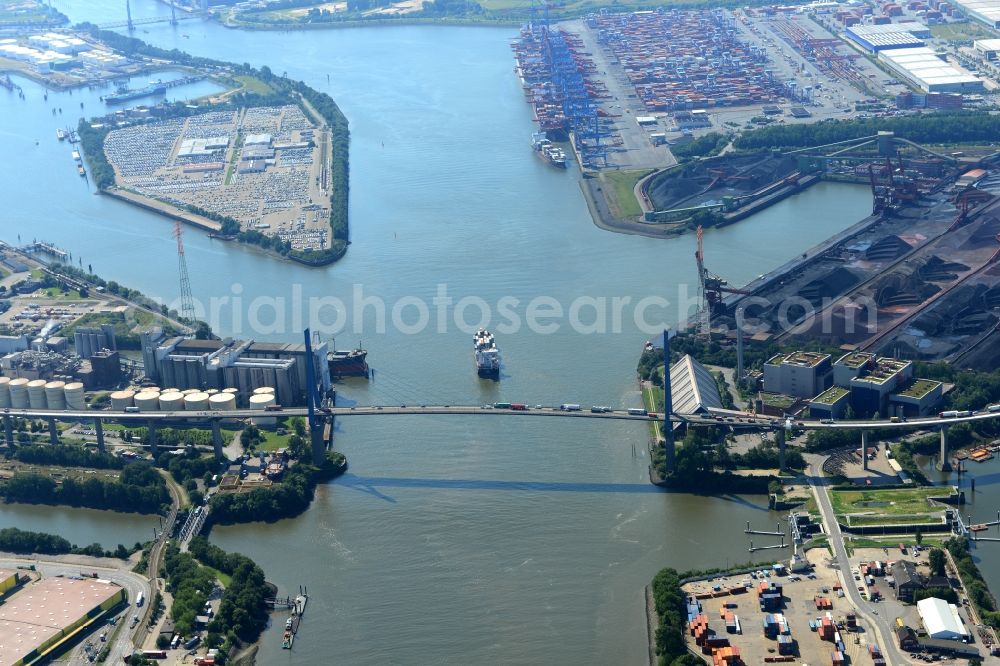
(941, 619)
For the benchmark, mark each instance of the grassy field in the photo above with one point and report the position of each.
(254, 85)
(223, 578)
(962, 32)
(897, 502)
(622, 183)
(58, 293)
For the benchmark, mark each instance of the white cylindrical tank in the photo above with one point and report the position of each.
(122, 399)
(262, 401)
(264, 390)
(18, 393)
(222, 402)
(231, 390)
(73, 393)
(196, 402)
(36, 394)
(55, 396)
(147, 401)
(212, 391)
(4, 391)
(190, 391)
(171, 402)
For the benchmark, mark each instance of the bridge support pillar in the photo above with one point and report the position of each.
(780, 434)
(318, 445)
(99, 429)
(943, 463)
(151, 428)
(669, 449)
(864, 450)
(8, 429)
(217, 438)
(53, 432)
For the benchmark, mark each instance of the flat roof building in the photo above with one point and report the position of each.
(918, 398)
(923, 68)
(990, 48)
(875, 38)
(38, 618)
(800, 374)
(987, 11)
(851, 365)
(870, 392)
(941, 619)
(830, 404)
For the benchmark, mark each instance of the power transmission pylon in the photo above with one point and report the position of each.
(187, 298)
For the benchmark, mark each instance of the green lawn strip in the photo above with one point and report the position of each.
(623, 185)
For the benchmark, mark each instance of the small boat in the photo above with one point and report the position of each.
(80, 170)
(76, 155)
(60, 133)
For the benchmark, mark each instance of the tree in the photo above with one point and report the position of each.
(918, 537)
(936, 561)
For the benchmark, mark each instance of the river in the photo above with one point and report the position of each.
(449, 540)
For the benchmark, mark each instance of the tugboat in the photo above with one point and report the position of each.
(348, 363)
(487, 355)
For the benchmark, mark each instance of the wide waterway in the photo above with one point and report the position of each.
(449, 540)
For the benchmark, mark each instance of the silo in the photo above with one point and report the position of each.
(196, 402)
(73, 393)
(19, 393)
(223, 402)
(4, 392)
(172, 402)
(54, 396)
(147, 401)
(190, 391)
(264, 390)
(121, 399)
(36, 394)
(259, 402)
(212, 392)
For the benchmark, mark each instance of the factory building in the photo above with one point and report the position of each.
(989, 48)
(242, 364)
(851, 365)
(830, 404)
(799, 374)
(986, 11)
(875, 38)
(923, 68)
(870, 392)
(39, 618)
(87, 341)
(12, 343)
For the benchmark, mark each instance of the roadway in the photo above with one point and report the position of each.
(728, 417)
(133, 583)
(866, 611)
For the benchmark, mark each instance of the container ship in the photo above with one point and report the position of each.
(487, 354)
(125, 94)
(348, 363)
(548, 151)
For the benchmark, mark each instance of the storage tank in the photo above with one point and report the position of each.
(234, 391)
(18, 393)
(54, 396)
(73, 394)
(190, 391)
(36, 394)
(262, 401)
(172, 401)
(222, 402)
(4, 391)
(122, 399)
(264, 390)
(196, 402)
(147, 401)
(212, 392)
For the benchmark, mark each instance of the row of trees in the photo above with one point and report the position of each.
(950, 127)
(190, 585)
(67, 456)
(14, 540)
(139, 489)
(671, 607)
(697, 462)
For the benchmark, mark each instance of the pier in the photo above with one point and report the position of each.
(750, 531)
(42, 247)
(754, 549)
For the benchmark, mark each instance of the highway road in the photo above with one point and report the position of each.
(729, 417)
(132, 582)
(866, 610)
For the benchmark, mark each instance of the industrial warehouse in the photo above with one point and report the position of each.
(41, 616)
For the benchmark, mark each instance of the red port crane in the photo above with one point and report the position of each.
(712, 286)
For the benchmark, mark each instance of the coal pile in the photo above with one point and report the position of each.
(887, 249)
(937, 269)
(896, 289)
(833, 284)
